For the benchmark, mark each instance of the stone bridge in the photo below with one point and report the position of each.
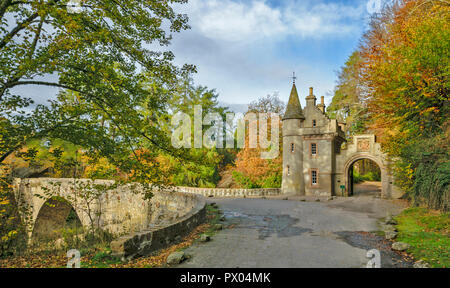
(140, 225)
(120, 210)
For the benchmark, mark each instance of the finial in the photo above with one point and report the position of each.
(294, 77)
(311, 89)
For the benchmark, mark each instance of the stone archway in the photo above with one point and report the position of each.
(348, 176)
(52, 218)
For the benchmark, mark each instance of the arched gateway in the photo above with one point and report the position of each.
(314, 161)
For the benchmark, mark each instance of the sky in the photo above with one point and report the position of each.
(247, 49)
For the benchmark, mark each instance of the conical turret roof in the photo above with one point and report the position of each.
(294, 108)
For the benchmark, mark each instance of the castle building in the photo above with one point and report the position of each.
(314, 162)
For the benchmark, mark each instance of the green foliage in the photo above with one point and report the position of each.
(357, 178)
(424, 172)
(102, 259)
(369, 176)
(105, 72)
(347, 103)
(244, 181)
(193, 174)
(12, 229)
(270, 181)
(427, 233)
(372, 176)
(273, 181)
(197, 167)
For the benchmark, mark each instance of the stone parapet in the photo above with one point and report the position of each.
(160, 236)
(231, 193)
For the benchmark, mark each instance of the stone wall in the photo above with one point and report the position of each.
(162, 233)
(232, 193)
(365, 147)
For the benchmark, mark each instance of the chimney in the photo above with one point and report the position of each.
(311, 99)
(321, 106)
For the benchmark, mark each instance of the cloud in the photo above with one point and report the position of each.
(233, 21)
(248, 49)
(245, 22)
(321, 19)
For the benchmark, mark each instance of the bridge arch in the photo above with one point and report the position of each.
(52, 218)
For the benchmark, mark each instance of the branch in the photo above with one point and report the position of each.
(17, 29)
(3, 6)
(40, 83)
(36, 38)
(33, 136)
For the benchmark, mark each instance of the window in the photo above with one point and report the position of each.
(314, 123)
(314, 177)
(313, 149)
(288, 171)
(292, 147)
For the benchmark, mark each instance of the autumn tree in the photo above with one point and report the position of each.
(405, 74)
(101, 55)
(106, 62)
(251, 170)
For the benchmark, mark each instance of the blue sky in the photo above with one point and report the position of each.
(246, 49)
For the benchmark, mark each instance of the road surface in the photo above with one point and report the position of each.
(292, 233)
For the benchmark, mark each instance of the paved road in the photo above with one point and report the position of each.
(280, 233)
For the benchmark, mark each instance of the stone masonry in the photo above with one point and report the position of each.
(315, 161)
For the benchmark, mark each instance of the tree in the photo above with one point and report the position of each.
(252, 171)
(267, 104)
(100, 57)
(405, 73)
(197, 167)
(348, 103)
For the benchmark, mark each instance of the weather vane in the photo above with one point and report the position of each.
(294, 77)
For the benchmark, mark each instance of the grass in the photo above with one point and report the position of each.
(427, 232)
(214, 216)
(102, 259)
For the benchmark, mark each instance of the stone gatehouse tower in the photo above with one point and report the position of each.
(313, 161)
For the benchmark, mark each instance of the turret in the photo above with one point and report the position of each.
(294, 108)
(293, 146)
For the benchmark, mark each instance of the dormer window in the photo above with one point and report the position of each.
(314, 123)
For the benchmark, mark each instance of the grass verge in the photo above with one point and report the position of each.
(427, 232)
